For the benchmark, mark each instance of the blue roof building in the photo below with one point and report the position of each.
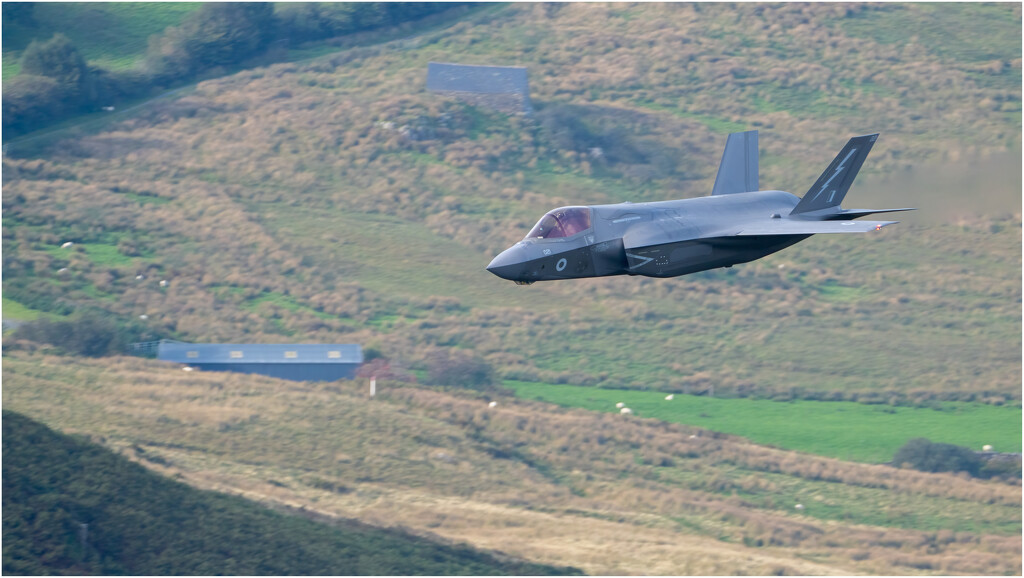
(505, 88)
(299, 362)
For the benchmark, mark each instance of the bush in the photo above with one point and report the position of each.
(30, 101)
(58, 59)
(926, 456)
(54, 81)
(91, 334)
(219, 34)
(1003, 468)
(307, 21)
(459, 368)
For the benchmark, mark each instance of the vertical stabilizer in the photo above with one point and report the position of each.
(831, 187)
(738, 171)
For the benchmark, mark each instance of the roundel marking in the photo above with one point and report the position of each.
(561, 264)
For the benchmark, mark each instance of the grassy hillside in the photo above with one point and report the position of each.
(113, 35)
(335, 200)
(604, 493)
(280, 206)
(137, 522)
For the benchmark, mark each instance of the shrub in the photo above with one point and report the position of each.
(926, 456)
(91, 334)
(219, 34)
(58, 59)
(54, 81)
(459, 368)
(1003, 468)
(30, 101)
(307, 21)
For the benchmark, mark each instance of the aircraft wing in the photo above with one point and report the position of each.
(795, 227)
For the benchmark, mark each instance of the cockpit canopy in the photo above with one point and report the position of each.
(563, 222)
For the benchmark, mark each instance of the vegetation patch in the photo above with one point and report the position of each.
(16, 311)
(523, 474)
(284, 302)
(74, 507)
(844, 430)
(109, 34)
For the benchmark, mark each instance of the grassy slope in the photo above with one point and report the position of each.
(843, 430)
(112, 35)
(607, 494)
(281, 212)
(17, 311)
(142, 523)
(285, 174)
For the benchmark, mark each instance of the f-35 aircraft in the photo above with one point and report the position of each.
(736, 224)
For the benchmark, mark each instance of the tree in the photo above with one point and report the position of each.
(57, 58)
(921, 454)
(219, 34)
(223, 33)
(31, 101)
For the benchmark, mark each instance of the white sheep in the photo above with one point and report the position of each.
(986, 448)
(493, 404)
(67, 245)
(670, 397)
(163, 283)
(620, 405)
(625, 411)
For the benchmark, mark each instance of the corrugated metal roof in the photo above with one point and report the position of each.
(444, 76)
(259, 353)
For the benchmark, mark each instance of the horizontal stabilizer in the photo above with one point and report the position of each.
(738, 171)
(846, 214)
(795, 227)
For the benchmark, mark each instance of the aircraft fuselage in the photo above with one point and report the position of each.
(659, 239)
(737, 223)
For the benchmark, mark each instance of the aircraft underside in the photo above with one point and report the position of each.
(683, 258)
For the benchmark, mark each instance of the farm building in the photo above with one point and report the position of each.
(306, 362)
(503, 88)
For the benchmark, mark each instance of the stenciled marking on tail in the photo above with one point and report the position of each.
(839, 169)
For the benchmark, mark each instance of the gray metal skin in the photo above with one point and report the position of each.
(736, 224)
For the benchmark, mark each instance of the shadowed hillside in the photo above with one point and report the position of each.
(71, 507)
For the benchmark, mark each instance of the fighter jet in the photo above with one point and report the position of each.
(737, 223)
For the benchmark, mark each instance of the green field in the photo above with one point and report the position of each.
(844, 430)
(14, 310)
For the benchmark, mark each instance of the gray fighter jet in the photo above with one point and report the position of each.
(736, 224)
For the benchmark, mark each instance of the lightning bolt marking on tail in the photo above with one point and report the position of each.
(839, 169)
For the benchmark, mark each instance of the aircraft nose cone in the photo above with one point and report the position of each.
(508, 264)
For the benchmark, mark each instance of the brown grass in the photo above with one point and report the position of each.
(611, 496)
